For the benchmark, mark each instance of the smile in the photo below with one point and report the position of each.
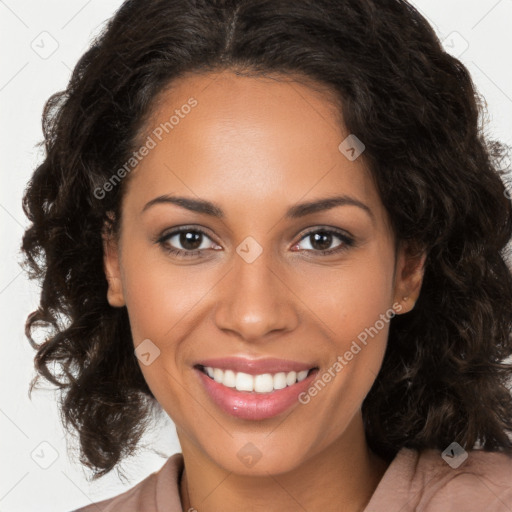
(262, 383)
(256, 396)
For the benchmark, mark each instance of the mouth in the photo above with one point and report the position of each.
(258, 383)
(254, 396)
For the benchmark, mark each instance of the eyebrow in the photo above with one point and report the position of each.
(295, 212)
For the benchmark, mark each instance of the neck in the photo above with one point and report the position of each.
(344, 477)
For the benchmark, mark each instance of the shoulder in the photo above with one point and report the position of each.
(483, 480)
(435, 481)
(149, 494)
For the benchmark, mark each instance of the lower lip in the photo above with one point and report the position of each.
(252, 405)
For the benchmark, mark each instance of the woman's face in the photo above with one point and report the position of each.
(256, 284)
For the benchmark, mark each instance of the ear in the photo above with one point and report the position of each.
(410, 268)
(112, 267)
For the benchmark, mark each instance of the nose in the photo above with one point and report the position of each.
(255, 300)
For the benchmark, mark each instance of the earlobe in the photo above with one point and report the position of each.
(111, 267)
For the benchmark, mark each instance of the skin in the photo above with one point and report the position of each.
(256, 147)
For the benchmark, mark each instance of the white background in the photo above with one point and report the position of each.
(26, 81)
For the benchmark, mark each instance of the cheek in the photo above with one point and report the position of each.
(354, 305)
(350, 298)
(163, 301)
(160, 295)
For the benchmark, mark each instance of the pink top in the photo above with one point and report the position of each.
(414, 482)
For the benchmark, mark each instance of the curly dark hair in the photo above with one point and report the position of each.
(445, 373)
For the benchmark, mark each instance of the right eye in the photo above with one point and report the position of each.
(191, 240)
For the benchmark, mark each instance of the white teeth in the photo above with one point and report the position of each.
(263, 383)
(218, 375)
(291, 378)
(302, 375)
(244, 382)
(280, 380)
(229, 379)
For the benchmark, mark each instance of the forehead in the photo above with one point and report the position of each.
(249, 140)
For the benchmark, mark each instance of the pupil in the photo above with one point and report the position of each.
(190, 240)
(321, 241)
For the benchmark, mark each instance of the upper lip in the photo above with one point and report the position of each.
(255, 366)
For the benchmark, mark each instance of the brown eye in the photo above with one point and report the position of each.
(186, 242)
(321, 241)
(190, 240)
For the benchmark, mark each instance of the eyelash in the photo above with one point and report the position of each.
(347, 242)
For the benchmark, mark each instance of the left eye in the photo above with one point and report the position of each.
(321, 241)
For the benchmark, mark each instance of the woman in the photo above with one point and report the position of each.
(279, 223)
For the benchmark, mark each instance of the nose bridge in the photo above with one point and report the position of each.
(254, 300)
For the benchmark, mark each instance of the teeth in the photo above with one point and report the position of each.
(302, 375)
(264, 383)
(244, 382)
(280, 380)
(218, 375)
(229, 378)
(291, 378)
